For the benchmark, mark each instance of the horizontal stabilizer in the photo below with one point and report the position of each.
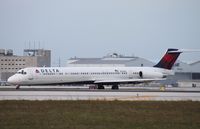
(184, 50)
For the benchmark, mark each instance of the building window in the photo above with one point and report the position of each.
(196, 76)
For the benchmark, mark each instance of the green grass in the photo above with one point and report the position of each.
(99, 115)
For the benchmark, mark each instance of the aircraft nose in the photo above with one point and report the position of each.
(12, 80)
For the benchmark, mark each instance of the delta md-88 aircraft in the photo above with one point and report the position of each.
(99, 76)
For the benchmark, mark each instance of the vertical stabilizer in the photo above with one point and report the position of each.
(168, 59)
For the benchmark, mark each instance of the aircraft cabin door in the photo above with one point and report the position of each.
(30, 75)
(130, 74)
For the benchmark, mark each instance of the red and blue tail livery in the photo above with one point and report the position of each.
(168, 59)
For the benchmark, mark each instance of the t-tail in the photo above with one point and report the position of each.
(169, 59)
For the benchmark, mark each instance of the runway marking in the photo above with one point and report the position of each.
(138, 97)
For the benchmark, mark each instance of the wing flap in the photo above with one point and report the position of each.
(127, 81)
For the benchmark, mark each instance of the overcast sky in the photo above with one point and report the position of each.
(93, 28)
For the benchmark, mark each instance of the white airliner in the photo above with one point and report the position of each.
(96, 75)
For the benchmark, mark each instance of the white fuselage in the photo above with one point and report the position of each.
(62, 75)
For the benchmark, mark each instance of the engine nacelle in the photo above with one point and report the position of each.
(150, 74)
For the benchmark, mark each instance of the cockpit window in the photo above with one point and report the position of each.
(21, 72)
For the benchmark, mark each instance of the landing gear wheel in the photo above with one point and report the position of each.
(115, 87)
(101, 87)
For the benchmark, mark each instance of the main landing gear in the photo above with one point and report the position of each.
(114, 86)
(100, 86)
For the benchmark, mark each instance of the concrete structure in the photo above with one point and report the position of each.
(10, 63)
(185, 74)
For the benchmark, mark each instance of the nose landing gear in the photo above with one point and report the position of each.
(17, 87)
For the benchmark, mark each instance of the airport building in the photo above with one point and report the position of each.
(113, 59)
(10, 63)
(185, 74)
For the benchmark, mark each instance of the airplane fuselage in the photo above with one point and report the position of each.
(87, 75)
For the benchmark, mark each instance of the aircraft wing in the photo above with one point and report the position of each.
(128, 81)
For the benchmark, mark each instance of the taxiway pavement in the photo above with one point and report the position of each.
(82, 93)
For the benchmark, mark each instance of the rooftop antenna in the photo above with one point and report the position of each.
(59, 62)
(25, 45)
(29, 44)
(39, 44)
(34, 45)
(43, 45)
